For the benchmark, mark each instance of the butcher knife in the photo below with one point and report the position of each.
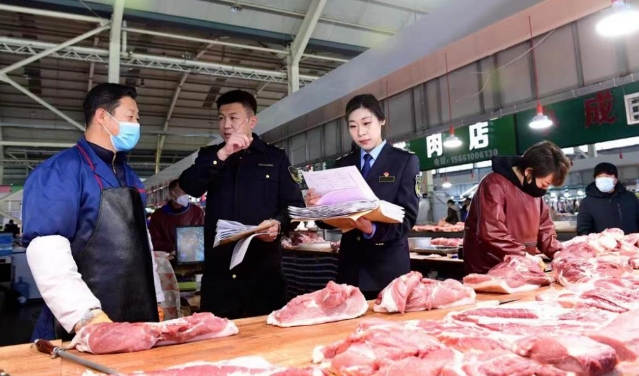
(507, 301)
(47, 347)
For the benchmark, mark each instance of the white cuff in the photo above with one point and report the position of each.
(159, 294)
(56, 275)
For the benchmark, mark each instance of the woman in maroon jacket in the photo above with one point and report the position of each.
(177, 212)
(508, 215)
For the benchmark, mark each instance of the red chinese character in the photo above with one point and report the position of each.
(600, 109)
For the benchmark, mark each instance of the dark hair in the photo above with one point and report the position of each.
(367, 101)
(174, 184)
(451, 202)
(546, 158)
(606, 168)
(106, 96)
(242, 97)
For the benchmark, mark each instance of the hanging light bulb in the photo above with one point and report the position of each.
(446, 184)
(622, 20)
(540, 121)
(451, 141)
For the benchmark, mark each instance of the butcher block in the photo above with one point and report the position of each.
(281, 346)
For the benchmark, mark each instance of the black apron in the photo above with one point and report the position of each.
(116, 263)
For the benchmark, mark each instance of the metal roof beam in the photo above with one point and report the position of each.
(29, 47)
(115, 39)
(49, 13)
(176, 95)
(299, 43)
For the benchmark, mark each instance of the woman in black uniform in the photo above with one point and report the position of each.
(374, 254)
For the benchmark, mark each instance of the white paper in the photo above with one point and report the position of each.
(226, 229)
(240, 251)
(339, 185)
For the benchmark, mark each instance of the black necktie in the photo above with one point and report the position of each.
(367, 165)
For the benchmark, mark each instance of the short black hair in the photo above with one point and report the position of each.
(174, 184)
(546, 158)
(451, 202)
(11, 221)
(367, 101)
(242, 97)
(106, 96)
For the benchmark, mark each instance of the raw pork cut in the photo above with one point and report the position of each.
(411, 292)
(573, 270)
(376, 345)
(610, 294)
(447, 242)
(499, 363)
(332, 303)
(244, 366)
(622, 334)
(515, 274)
(461, 337)
(571, 353)
(109, 338)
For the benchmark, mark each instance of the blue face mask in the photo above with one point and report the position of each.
(128, 136)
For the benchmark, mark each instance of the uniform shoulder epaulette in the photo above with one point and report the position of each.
(274, 146)
(345, 155)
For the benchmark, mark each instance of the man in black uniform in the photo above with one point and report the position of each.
(250, 182)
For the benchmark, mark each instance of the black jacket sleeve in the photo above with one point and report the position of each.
(406, 198)
(585, 221)
(452, 216)
(289, 195)
(207, 168)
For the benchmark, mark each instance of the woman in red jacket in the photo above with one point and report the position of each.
(508, 215)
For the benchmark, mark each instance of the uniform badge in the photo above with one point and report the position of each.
(418, 185)
(296, 174)
(386, 178)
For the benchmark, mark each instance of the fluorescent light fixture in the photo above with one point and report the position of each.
(452, 142)
(621, 20)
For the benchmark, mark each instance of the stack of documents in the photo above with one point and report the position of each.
(345, 197)
(229, 231)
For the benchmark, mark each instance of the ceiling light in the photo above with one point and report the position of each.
(236, 8)
(553, 194)
(452, 141)
(566, 194)
(580, 193)
(621, 20)
(446, 184)
(540, 121)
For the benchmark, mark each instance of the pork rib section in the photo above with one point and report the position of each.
(571, 353)
(514, 274)
(411, 292)
(109, 338)
(335, 302)
(244, 366)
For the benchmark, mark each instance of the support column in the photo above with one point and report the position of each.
(592, 151)
(114, 44)
(296, 50)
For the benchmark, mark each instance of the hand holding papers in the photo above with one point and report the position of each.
(344, 198)
(229, 231)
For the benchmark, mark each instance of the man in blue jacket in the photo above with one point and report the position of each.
(84, 223)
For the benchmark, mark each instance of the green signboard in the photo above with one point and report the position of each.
(582, 121)
(480, 142)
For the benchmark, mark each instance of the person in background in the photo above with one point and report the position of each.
(508, 215)
(12, 228)
(607, 204)
(464, 209)
(251, 182)
(374, 254)
(177, 212)
(84, 224)
(452, 216)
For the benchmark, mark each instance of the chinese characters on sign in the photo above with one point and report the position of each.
(600, 109)
(480, 142)
(478, 134)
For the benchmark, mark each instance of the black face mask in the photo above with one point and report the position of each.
(532, 189)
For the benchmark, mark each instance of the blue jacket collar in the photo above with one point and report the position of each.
(103, 170)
